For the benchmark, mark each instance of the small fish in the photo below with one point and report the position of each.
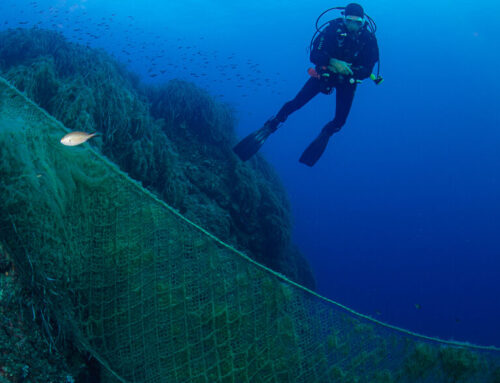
(418, 306)
(76, 138)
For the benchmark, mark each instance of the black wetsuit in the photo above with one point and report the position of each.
(359, 49)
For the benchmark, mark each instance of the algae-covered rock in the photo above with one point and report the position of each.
(496, 375)
(175, 138)
(458, 363)
(27, 353)
(421, 361)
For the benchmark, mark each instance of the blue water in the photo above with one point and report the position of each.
(400, 217)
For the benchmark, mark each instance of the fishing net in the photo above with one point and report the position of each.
(156, 298)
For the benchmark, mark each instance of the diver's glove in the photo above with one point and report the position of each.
(340, 67)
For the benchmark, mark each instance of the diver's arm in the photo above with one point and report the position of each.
(319, 56)
(322, 46)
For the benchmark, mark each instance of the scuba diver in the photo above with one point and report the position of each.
(344, 53)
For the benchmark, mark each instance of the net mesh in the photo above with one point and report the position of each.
(156, 298)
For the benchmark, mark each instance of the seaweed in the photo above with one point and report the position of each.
(25, 348)
(421, 361)
(458, 363)
(175, 138)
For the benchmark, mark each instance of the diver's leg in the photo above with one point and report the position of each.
(310, 89)
(251, 144)
(344, 98)
(314, 151)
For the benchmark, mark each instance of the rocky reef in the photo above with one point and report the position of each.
(175, 138)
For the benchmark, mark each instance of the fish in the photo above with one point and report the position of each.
(76, 138)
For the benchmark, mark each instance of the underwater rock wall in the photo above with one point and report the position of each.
(174, 138)
(27, 352)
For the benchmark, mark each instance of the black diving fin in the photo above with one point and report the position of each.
(251, 144)
(314, 151)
